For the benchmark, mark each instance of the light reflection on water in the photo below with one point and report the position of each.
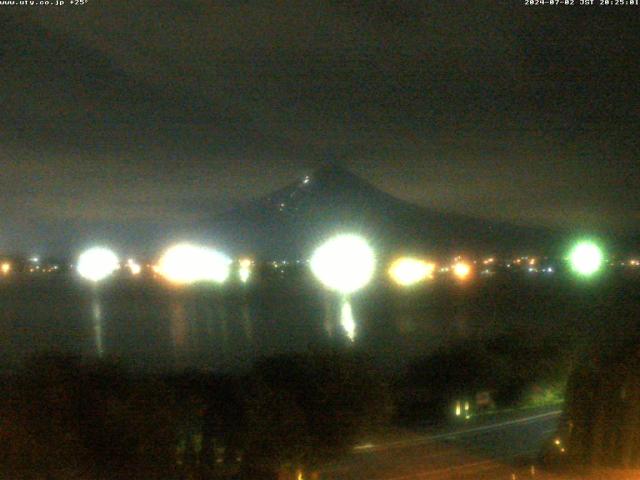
(347, 321)
(179, 327)
(152, 326)
(96, 311)
(247, 324)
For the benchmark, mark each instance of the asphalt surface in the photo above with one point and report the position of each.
(504, 447)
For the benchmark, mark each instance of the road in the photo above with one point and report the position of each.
(504, 448)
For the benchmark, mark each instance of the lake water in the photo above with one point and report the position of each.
(150, 325)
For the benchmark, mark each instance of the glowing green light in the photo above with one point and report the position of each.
(586, 258)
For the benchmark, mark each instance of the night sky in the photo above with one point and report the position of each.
(137, 123)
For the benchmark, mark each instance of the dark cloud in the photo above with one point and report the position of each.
(141, 120)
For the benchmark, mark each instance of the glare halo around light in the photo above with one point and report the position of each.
(407, 271)
(97, 263)
(586, 258)
(462, 270)
(344, 263)
(186, 263)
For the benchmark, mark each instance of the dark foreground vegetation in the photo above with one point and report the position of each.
(63, 417)
(601, 427)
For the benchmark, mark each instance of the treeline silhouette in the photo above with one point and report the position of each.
(65, 418)
(601, 423)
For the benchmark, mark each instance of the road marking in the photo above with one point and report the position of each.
(428, 438)
(366, 446)
(497, 426)
(482, 465)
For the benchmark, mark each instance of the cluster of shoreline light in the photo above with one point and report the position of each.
(345, 263)
(187, 263)
(183, 263)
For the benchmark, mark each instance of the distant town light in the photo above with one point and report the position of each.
(6, 268)
(97, 263)
(461, 270)
(586, 258)
(185, 263)
(407, 271)
(344, 263)
(134, 267)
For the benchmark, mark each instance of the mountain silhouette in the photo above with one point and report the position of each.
(289, 222)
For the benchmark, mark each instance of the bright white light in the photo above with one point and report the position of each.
(6, 268)
(134, 267)
(344, 263)
(586, 258)
(97, 264)
(347, 321)
(186, 263)
(245, 269)
(408, 271)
